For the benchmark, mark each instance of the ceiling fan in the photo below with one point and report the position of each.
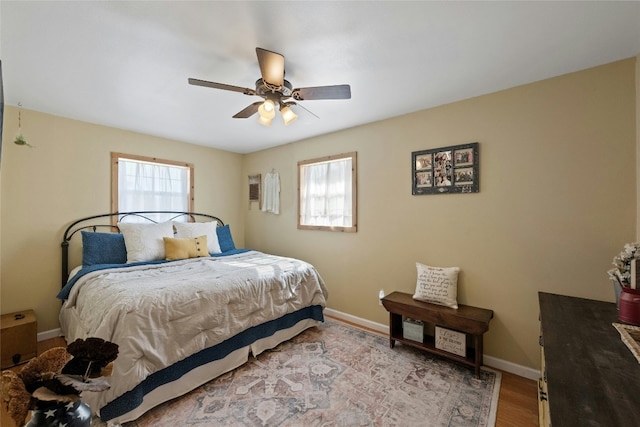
(276, 90)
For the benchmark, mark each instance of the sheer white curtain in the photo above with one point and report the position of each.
(325, 196)
(144, 186)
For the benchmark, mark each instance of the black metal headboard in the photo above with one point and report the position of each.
(93, 223)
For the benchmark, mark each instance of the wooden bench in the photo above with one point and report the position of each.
(466, 319)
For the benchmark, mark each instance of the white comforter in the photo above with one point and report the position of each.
(160, 314)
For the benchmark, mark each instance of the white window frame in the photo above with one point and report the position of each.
(303, 190)
(115, 157)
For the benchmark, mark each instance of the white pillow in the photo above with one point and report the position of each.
(144, 242)
(437, 285)
(191, 230)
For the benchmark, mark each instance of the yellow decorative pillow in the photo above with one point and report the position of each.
(181, 248)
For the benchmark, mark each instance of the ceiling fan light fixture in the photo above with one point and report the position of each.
(267, 110)
(269, 105)
(264, 121)
(288, 116)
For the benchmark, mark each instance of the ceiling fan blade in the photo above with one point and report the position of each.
(322, 92)
(249, 111)
(222, 86)
(271, 66)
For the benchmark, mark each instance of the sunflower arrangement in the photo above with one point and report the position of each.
(58, 375)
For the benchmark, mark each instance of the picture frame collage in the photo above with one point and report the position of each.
(452, 169)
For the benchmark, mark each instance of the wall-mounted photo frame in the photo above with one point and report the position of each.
(445, 170)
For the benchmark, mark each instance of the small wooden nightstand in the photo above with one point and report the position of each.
(18, 338)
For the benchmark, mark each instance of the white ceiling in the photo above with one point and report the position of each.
(126, 64)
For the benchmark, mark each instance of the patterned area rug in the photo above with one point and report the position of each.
(338, 375)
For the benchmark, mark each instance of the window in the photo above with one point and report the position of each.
(148, 184)
(327, 193)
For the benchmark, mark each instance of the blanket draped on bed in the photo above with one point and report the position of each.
(160, 314)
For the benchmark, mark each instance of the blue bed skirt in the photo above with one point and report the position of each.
(133, 398)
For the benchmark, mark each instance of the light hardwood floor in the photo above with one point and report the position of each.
(517, 404)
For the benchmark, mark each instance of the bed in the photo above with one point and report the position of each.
(183, 321)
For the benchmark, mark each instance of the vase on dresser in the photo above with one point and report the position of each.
(629, 308)
(55, 414)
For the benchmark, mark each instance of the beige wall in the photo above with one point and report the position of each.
(67, 176)
(557, 201)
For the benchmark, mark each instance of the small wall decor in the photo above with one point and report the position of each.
(451, 169)
(254, 188)
(20, 139)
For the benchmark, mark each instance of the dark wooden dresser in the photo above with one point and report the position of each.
(592, 378)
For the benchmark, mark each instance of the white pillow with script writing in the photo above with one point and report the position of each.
(437, 285)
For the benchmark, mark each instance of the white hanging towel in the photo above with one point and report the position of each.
(271, 202)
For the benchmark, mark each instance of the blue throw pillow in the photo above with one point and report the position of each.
(224, 238)
(103, 248)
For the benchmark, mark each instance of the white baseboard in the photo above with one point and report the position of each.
(49, 334)
(378, 327)
(490, 361)
(512, 368)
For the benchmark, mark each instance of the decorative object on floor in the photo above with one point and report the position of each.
(624, 273)
(19, 338)
(51, 384)
(451, 169)
(338, 375)
(59, 414)
(630, 336)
